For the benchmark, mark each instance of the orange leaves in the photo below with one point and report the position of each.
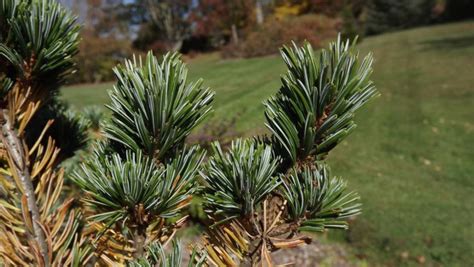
(26, 214)
(292, 243)
(33, 229)
(227, 244)
(252, 240)
(45, 158)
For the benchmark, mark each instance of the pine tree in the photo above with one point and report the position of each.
(38, 224)
(264, 193)
(260, 195)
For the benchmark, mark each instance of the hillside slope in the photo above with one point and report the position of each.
(412, 156)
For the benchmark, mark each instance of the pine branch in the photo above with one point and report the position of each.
(154, 107)
(36, 46)
(317, 202)
(16, 151)
(143, 176)
(314, 109)
(238, 180)
(261, 194)
(120, 189)
(42, 39)
(157, 256)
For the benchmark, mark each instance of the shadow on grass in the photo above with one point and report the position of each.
(449, 43)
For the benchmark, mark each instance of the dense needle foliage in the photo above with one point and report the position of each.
(142, 175)
(263, 193)
(260, 195)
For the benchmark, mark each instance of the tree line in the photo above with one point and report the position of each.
(241, 28)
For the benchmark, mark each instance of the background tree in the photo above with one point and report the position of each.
(328, 7)
(222, 20)
(37, 42)
(352, 24)
(164, 25)
(105, 40)
(458, 9)
(98, 55)
(263, 193)
(285, 8)
(170, 18)
(389, 15)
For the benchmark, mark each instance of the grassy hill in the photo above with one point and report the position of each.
(412, 156)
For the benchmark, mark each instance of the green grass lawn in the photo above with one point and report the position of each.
(412, 156)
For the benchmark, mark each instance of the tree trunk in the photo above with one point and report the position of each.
(259, 12)
(235, 35)
(177, 46)
(14, 146)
